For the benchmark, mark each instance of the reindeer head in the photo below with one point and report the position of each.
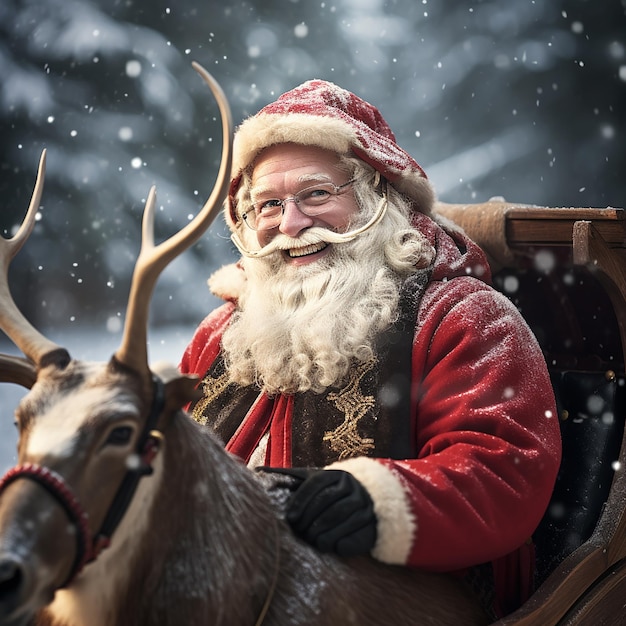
(87, 431)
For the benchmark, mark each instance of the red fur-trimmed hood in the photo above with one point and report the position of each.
(319, 113)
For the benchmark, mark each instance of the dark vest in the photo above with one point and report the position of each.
(368, 415)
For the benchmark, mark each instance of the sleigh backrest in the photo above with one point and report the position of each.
(565, 269)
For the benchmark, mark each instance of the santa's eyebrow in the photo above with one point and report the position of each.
(305, 178)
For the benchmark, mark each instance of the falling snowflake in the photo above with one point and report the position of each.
(544, 261)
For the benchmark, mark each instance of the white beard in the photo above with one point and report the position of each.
(302, 327)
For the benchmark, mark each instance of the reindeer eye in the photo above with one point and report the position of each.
(119, 436)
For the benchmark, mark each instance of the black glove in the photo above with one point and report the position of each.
(331, 510)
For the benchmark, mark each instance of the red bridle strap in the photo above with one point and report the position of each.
(54, 484)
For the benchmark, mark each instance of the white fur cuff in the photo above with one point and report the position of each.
(396, 523)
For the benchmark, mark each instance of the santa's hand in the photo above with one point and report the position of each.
(331, 510)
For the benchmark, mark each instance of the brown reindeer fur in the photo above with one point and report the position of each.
(209, 558)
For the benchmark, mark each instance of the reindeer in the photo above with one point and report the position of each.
(124, 511)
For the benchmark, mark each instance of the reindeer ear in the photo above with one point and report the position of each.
(180, 389)
(179, 392)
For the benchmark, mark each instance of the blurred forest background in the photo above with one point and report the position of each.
(524, 99)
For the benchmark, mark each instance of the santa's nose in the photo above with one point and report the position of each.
(294, 221)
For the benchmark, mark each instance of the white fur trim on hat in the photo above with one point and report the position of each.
(262, 131)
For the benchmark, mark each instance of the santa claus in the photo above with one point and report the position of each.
(362, 351)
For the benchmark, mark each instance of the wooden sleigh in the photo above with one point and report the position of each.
(565, 269)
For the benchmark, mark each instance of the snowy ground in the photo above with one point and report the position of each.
(166, 344)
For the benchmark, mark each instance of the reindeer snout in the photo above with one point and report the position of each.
(13, 593)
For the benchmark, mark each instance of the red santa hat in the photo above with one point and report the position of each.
(319, 113)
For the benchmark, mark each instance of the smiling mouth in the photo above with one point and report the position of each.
(295, 253)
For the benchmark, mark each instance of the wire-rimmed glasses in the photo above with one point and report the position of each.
(312, 201)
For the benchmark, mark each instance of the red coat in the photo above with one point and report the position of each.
(484, 424)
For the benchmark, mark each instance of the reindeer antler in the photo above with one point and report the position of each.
(152, 260)
(32, 343)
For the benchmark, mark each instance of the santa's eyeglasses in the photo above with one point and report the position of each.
(330, 236)
(312, 201)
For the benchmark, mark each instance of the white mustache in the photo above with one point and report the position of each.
(310, 237)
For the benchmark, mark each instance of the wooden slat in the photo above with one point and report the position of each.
(559, 231)
(501, 228)
(554, 226)
(572, 213)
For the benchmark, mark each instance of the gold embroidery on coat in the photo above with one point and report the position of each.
(345, 439)
(212, 388)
